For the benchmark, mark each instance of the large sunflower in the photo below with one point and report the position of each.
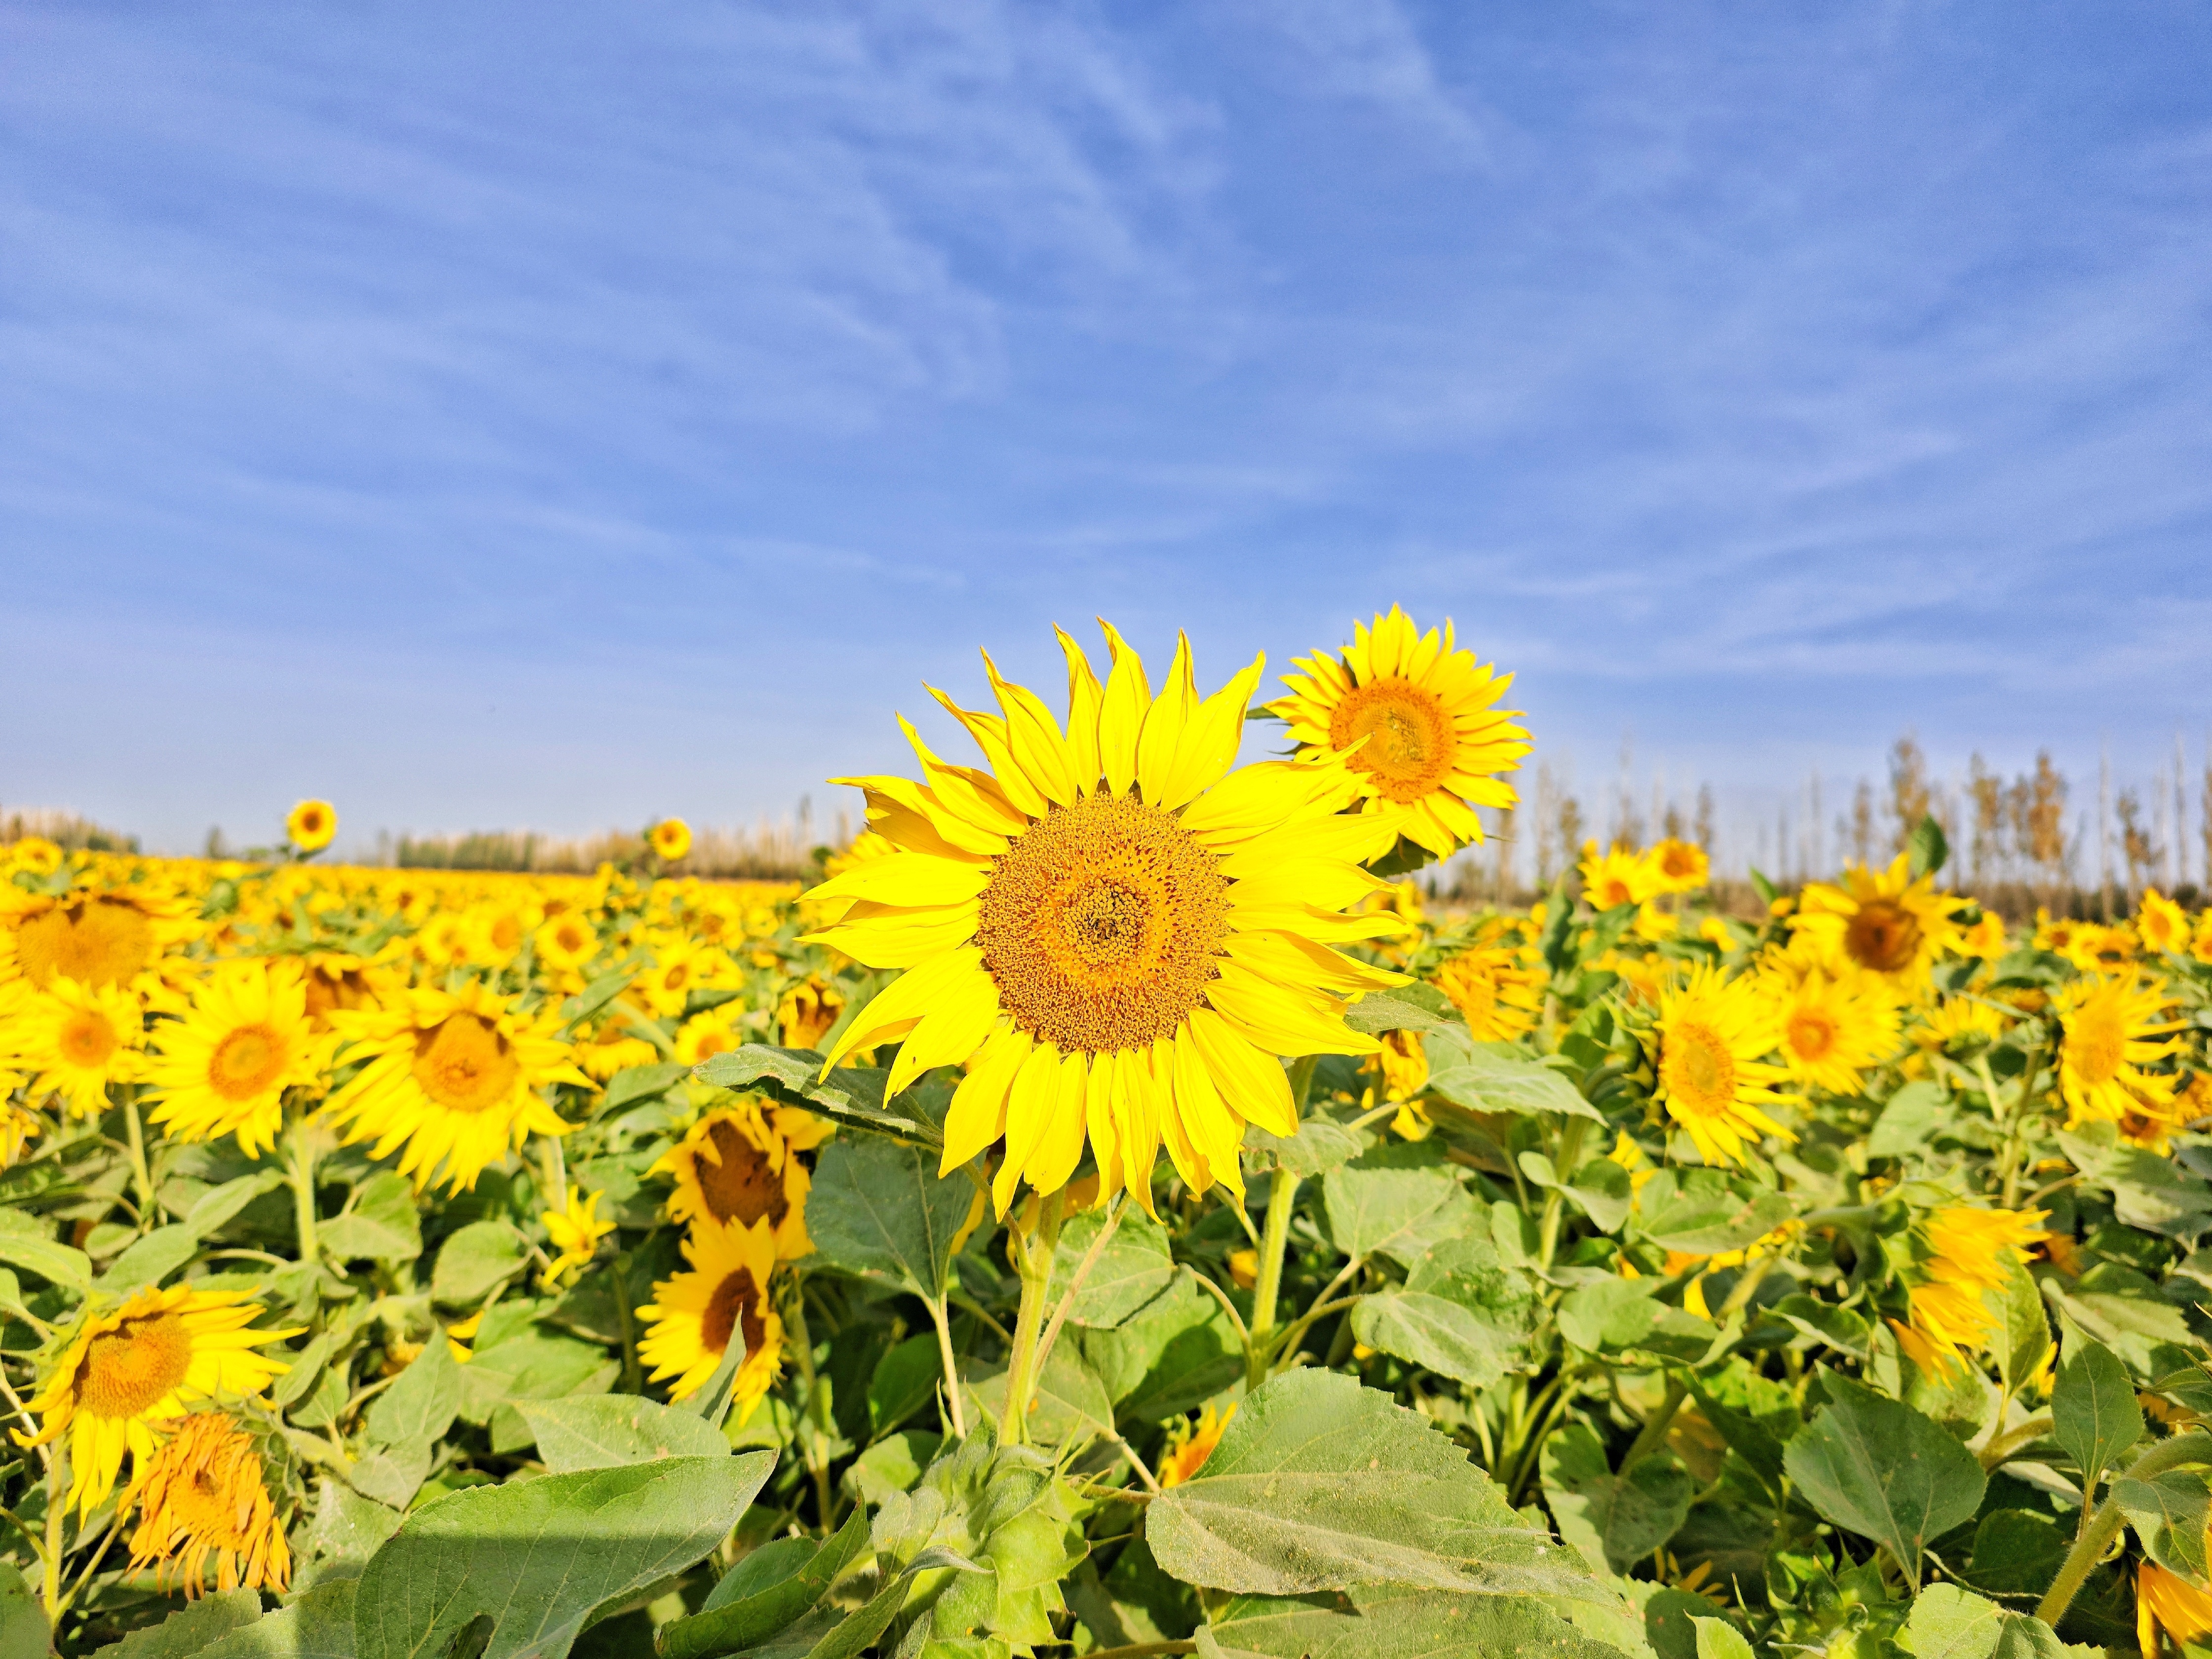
(452, 1077)
(1887, 923)
(2110, 1030)
(1120, 934)
(1711, 1038)
(77, 1039)
(224, 1067)
(1432, 739)
(140, 1363)
(693, 1316)
(740, 1165)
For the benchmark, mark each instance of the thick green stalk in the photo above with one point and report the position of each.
(943, 1321)
(2105, 1524)
(302, 1172)
(1034, 1253)
(817, 1411)
(1282, 1199)
(1570, 1146)
(57, 1509)
(139, 1177)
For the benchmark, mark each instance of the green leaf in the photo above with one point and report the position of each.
(474, 1261)
(1319, 1484)
(2016, 1552)
(1135, 1266)
(27, 1243)
(536, 1363)
(151, 1259)
(1614, 1519)
(2094, 1414)
(199, 1626)
(893, 1464)
(1949, 1622)
(539, 1556)
(1071, 1405)
(769, 1589)
(2022, 1340)
(1883, 1470)
(1928, 849)
(218, 1205)
(1387, 1621)
(1602, 1191)
(1394, 1201)
(421, 1406)
(1704, 1211)
(1611, 1314)
(382, 1223)
(1172, 1355)
(877, 1209)
(851, 1637)
(1909, 1122)
(610, 1430)
(2152, 1193)
(1755, 1415)
(596, 995)
(1497, 1077)
(1719, 1639)
(1463, 1314)
(1319, 1146)
(2168, 1512)
(634, 1083)
(24, 1632)
(318, 1625)
(850, 1095)
(904, 1382)
(1405, 1008)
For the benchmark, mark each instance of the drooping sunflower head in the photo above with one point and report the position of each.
(149, 1360)
(206, 1520)
(2109, 1033)
(807, 1010)
(453, 1080)
(1120, 931)
(1981, 1249)
(2166, 1602)
(1495, 989)
(77, 1039)
(1887, 922)
(224, 1067)
(311, 824)
(336, 981)
(1415, 716)
(739, 1166)
(1711, 1039)
(671, 839)
(723, 1297)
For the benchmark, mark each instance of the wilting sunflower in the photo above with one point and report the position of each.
(452, 1078)
(575, 1230)
(693, 1316)
(224, 1067)
(1432, 740)
(1830, 1030)
(203, 1499)
(2110, 1031)
(1122, 934)
(1887, 924)
(1189, 1445)
(1711, 1037)
(1615, 877)
(671, 839)
(1495, 989)
(310, 825)
(739, 1166)
(1968, 1251)
(77, 1039)
(138, 1364)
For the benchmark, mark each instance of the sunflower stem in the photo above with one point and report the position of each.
(1035, 1253)
(954, 1413)
(139, 1175)
(817, 1450)
(56, 1490)
(2104, 1524)
(1282, 1197)
(302, 1172)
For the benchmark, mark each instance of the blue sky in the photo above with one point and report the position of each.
(505, 415)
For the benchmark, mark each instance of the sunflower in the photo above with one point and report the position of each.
(203, 1498)
(1965, 1021)
(1423, 708)
(451, 1076)
(693, 1315)
(146, 1360)
(739, 1166)
(566, 942)
(1189, 1445)
(36, 855)
(1710, 1037)
(224, 1067)
(1831, 1029)
(310, 825)
(681, 967)
(1968, 1251)
(1121, 934)
(77, 1039)
(1615, 877)
(2166, 1602)
(1985, 939)
(1887, 924)
(671, 839)
(2162, 925)
(808, 1010)
(1495, 989)
(336, 981)
(96, 939)
(575, 1230)
(1679, 866)
(704, 1035)
(2109, 1033)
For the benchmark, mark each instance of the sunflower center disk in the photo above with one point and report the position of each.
(1702, 1072)
(735, 1305)
(127, 1369)
(464, 1065)
(1100, 926)
(1884, 936)
(1410, 741)
(1811, 1036)
(2097, 1046)
(741, 1188)
(245, 1062)
(87, 1040)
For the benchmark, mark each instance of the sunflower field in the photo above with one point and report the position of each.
(1106, 1214)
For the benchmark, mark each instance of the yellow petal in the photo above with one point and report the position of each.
(1345, 837)
(903, 1003)
(1207, 748)
(910, 814)
(1084, 698)
(1257, 798)
(1100, 1108)
(973, 796)
(1029, 1107)
(906, 879)
(1278, 1021)
(885, 936)
(1254, 1085)
(953, 1028)
(1175, 1133)
(1214, 1133)
(990, 734)
(1121, 716)
(1293, 960)
(1034, 738)
(1329, 883)
(978, 1114)
(1164, 722)
(1059, 1148)
(1139, 1096)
